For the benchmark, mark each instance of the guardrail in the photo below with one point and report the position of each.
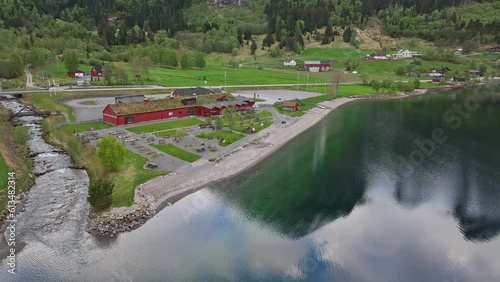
(21, 91)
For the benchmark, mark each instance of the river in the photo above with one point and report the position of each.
(381, 190)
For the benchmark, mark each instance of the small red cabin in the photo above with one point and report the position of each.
(290, 106)
(76, 73)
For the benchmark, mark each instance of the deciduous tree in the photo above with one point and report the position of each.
(111, 153)
(71, 61)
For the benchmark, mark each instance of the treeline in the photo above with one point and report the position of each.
(446, 27)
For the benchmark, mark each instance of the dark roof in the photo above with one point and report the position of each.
(197, 91)
(74, 71)
(97, 68)
(129, 99)
(160, 105)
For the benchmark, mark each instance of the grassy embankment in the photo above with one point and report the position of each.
(176, 152)
(81, 127)
(13, 157)
(131, 175)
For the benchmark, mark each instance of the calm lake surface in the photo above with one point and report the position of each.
(386, 190)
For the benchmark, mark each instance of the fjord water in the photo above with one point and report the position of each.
(381, 190)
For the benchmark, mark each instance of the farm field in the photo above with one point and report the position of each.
(164, 125)
(176, 152)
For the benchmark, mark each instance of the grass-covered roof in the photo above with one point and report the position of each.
(164, 104)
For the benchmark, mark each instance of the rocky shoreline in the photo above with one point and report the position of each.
(111, 223)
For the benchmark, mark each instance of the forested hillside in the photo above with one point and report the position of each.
(91, 32)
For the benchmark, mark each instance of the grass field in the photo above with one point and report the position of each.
(85, 126)
(133, 174)
(229, 137)
(3, 173)
(165, 125)
(177, 152)
(177, 133)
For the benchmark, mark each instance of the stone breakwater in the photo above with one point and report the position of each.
(122, 219)
(114, 222)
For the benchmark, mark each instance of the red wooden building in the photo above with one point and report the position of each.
(290, 106)
(96, 72)
(76, 73)
(150, 110)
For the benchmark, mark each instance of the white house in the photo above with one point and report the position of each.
(290, 63)
(403, 54)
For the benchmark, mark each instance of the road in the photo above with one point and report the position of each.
(29, 77)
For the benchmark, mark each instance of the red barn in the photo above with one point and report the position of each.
(150, 110)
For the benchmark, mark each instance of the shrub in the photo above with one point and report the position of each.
(100, 194)
(275, 52)
(235, 51)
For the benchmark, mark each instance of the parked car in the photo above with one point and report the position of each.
(279, 100)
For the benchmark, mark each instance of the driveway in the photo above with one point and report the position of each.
(89, 112)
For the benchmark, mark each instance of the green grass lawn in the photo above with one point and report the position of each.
(60, 73)
(177, 152)
(85, 126)
(3, 173)
(133, 174)
(47, 102)
(265, 119)
(165, 125)
(229, 136)
(257, 126)
(177, 133)
(264, 114)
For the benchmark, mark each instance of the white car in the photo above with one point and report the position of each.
(279, 100)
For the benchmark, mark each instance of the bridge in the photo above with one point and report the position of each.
(29, 110)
